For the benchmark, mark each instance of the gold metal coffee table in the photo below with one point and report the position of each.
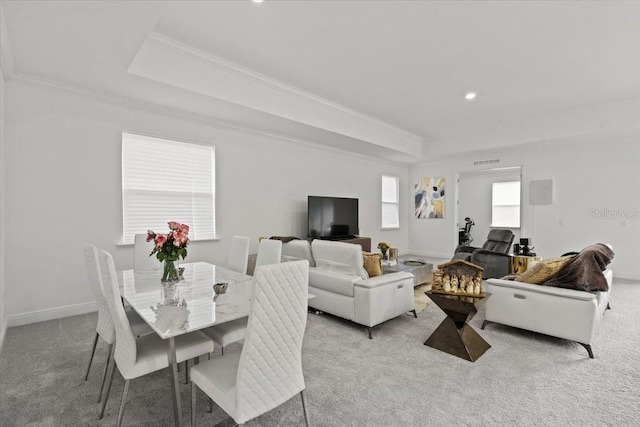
(454, 335)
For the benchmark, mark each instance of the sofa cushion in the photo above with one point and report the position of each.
(330, 281)
(295, 250)
(372, 264)
(543, 270)
(339, 257)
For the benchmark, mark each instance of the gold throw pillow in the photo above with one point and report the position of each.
(372, 264)
(543, 270)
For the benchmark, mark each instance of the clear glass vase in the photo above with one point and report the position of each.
(170, 272)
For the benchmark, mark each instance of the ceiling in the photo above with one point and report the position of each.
(379, 78)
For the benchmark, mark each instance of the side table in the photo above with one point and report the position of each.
(520, 263)
(421, 272)
(454, 335)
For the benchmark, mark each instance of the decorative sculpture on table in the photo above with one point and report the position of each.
(170, 247)
(458, 277)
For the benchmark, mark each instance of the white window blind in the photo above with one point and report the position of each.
(165, 180)
(505, 204)
(390, 216)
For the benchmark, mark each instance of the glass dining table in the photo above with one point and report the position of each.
(189, 306)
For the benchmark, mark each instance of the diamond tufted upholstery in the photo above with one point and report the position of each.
(268, 370)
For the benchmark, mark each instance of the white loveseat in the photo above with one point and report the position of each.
(343, 288)
(564, 313)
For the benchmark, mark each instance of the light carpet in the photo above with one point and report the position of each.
(524, 379)
(421, 299)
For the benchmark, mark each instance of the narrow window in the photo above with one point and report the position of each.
(390, 203)
(505, 204)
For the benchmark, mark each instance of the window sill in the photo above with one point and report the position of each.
(213, 239)
(389, 228)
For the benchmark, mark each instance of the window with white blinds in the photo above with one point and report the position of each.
(390, 216)
(505, 204)
(165, 180)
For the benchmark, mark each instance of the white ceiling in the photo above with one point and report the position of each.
(383, 78)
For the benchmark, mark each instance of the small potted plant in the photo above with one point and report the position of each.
(384, 247)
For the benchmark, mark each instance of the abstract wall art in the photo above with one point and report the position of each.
(429, 197)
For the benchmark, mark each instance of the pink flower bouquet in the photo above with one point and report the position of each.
(169, 247)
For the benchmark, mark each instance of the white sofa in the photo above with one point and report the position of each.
(343, 288)
(564, 313)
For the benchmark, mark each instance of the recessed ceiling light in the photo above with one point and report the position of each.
(257, 1)
(470, 96)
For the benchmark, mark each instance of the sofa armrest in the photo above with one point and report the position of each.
(548, 290)
(385, 279)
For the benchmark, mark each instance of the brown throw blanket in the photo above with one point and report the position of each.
(584, 271)
(284, 239)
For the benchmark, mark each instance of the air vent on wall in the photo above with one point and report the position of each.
(486, 162)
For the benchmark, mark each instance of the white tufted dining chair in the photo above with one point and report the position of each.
(269, 252)
(238, 254)
(235, 330)
(141, 250)
(143, 355)
(104, 327)
(268, 370)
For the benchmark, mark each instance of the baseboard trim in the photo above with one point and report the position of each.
(627, 275)
(3, 333)
(443, 255)
(51, 314)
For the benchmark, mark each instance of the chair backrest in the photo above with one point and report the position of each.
(269, 252)
(499, 241)
(141, 250)
(238, 254)
(125, 353)
(270, 367)
(92, 265)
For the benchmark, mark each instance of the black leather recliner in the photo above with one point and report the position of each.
(493, 256)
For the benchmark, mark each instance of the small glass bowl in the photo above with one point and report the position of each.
(220, 288)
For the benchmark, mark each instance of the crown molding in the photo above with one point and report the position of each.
(174, 113)
(176, 64)
(214, 61)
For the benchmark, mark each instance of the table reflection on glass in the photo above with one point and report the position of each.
(187, 307)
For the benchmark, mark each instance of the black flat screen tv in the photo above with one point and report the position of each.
(332, 217)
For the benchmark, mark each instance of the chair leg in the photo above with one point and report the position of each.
(193, 404)
(370, 333)
(112, 367)
(186, 372)
(415, 313)
(303, 396)
(124, 402)
(589, 350)
(104, 374)
(93, 351)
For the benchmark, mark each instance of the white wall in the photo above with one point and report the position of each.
(3, 311)
(589, 177)
(474, 200)
(63, 188)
